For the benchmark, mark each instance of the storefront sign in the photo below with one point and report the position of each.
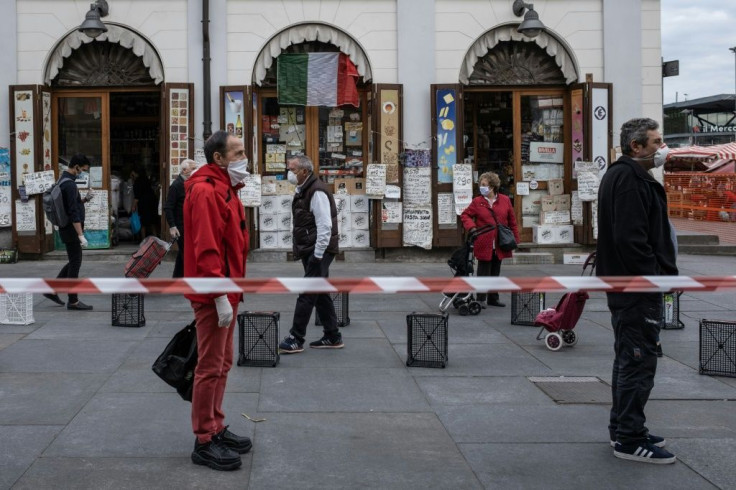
(418, 227)
(391, 212)
(712, 128)
(38, 182)
(446, 209)
(588, 186)
(234, 115)
(417, 186)
(96, 214)
(543, 152)
(576, 209)
(393, 192)
(446, 134)
(581, 166)
(375, 180)
(24, 138)
(25, 216)
(599, 135)
(462, 186)
(250, 195)
(522, 188)
(390, 144)
(5, 193)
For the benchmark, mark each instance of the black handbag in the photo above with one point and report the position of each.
(176, 363)
(504, 236)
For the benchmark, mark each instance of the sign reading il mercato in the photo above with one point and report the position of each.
(712, 128)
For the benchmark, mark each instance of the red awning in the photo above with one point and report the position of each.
(703, 153)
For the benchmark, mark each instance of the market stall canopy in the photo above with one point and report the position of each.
(703, 153)
(722, 166)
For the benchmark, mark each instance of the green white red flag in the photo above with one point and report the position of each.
(317, 79)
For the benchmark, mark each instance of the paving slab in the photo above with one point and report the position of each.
(358, 450)
(566, 466)
(22, 445)
(481, 389)
(711, 458)
(698, 419)
(70, 356)
(7, 339)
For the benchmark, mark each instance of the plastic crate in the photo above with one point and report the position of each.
(671, 311)
(341, 310)
(718, 348)
(16, 308)
(127, 310)
(426, 344)
(258, 338)
(525, 307)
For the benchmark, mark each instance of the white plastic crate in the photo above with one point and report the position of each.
(16, 308)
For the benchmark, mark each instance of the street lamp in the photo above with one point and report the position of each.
(92, 25)
(531, 26)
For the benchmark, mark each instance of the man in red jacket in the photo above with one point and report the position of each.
(215, 245)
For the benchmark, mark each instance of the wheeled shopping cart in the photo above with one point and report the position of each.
(462, 264)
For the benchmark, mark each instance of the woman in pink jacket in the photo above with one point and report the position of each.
(488, 209)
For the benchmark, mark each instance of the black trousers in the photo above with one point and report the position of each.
(179, 264)
(71, 269)
(636, 325)
(489, 268)
(305, 303)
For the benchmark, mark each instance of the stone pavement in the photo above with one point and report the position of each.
(80, 407)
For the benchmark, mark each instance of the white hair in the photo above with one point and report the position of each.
(188, 164)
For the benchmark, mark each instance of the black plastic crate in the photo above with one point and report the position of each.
(718, 348)
(127, 310)
(671, 311)
(426, 343)
(525, 307)
(258, 338)
(341, 310)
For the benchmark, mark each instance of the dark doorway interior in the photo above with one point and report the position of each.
(135, 162)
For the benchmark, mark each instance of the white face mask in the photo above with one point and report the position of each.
(484, 191)
(661, 156)
(291, 177)
(238, 171)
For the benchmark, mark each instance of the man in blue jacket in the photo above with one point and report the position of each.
(635, 239)
(72, 234)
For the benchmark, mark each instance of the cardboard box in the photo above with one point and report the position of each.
(574, 259)
(283, 222)
(360, 238)
(284, 238)
(555, 187)
(532, 204)
(547, 234)
(345, 240)
(344, 223)
(269, 205)
(268, 186)
(359, 204)
(562, 202)
(284, 188)
(529, 221)
(283, 206)
(342, 203)
(548, 203)
(269, 239)
(349, 185)
(554, 218)
(359, 221)
(268, 222)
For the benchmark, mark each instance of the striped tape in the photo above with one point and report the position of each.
(369, 285)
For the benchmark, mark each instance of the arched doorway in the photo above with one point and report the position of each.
(106, 103)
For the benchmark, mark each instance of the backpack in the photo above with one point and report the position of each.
(53, 204)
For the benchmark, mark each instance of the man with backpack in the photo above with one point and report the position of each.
(72, 234)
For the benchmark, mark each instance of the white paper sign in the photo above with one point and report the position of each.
(25, 215)
(576, 209)
(583, 167)
(418, 227)
(462, 186)
(522, 188)
(588, 186)
(446, 209)
(594, 218)
(96, 213)
(250, 195)
(375, 180)
(391, 212)
(38, 182)
(393, 192)
(543, 152)
(417, 186)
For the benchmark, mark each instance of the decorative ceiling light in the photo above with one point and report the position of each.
(531, 26)
(92, 25)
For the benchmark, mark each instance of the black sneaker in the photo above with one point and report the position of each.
(55, 298)
(651, 439)
(290, 345)
(78, 306)
(235, 442)
(215, 455)
(644, 453)
(327, 343)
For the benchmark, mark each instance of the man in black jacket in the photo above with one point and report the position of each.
(635, 239)
(72, 234)
(174, 212)
(315, 243)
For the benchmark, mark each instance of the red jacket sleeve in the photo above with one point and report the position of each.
(469, 215)
(206, 231)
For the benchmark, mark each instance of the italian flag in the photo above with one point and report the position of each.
(314, 79)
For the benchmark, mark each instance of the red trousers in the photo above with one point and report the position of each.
(215, 357)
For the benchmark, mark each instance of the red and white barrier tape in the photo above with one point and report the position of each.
(369, 285)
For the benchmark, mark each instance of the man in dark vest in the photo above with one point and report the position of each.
(315, 237)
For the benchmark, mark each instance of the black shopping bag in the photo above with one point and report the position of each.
(176, 363)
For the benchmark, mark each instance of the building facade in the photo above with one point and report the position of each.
(447, 89)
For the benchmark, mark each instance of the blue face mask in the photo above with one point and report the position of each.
(484, 191)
